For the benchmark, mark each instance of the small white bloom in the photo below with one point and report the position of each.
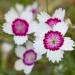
(33, 8)
(6, 48)
(53, 41)
(19, 23)
(27, 58)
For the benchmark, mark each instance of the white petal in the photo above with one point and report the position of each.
(39, 56)
(11, 15)
(19, 65)
(28, 16)
(55, 56)
(39, 46)
(29, 45)
(28, 69)
(20, 51)
(68, 44)
(59, 13)
(61, 27)
(28, 8)
(42, 29)
(19, 40)
(32, 27)
(7, 28)
(19, 8)
(43, 17)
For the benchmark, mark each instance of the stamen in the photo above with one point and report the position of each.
(52, 21)
(20, 27)
(53, 40)
(29, 57)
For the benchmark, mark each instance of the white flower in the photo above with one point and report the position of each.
(33, 8)
(57, 17)
(19, 23)
(6, 48)
(53, 41)
(50, 35)
(27, 58)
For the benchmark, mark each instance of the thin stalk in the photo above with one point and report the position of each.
(4, 62)
(46, 5)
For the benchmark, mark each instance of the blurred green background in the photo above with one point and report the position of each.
(42, 67)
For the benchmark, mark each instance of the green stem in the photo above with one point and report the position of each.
(4, 62)
(46, 5)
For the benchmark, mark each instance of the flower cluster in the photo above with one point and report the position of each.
(49, 34)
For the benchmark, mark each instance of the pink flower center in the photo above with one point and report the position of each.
(52, 22)
(29, 57)
(53, 40)
(20, 27)
(34, 11)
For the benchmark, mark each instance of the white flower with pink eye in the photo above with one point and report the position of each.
(27, 58)
(19, 23)
(33, 8)
(56, 18)
(53, 41)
